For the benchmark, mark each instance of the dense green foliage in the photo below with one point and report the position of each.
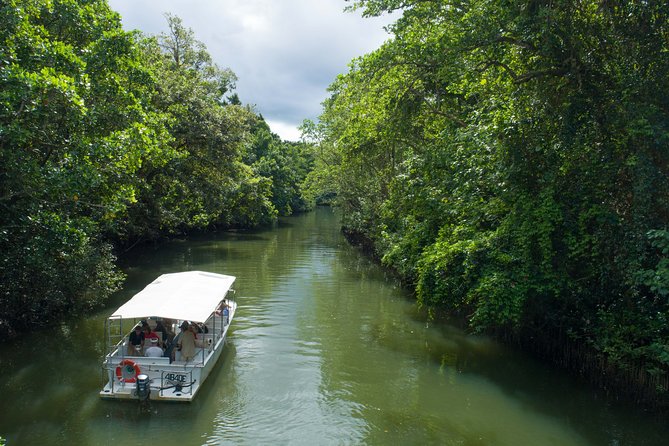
(286, 163)
(74, 132)
(510, 159)
(205, 182)
(109, 138)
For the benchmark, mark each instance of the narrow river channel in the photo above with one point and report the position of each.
(325, 350)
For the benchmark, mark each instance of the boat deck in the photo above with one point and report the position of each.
(176, 380)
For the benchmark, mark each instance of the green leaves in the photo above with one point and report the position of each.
(74, 134)
(107, 136)
(510, 159)
(657, 278)
(197, 185)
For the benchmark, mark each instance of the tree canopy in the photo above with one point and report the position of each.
(110, 138)
(510, 160)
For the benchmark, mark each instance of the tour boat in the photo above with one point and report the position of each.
(195, 301)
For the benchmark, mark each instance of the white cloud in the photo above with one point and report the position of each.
(284, 52)
(287, 131)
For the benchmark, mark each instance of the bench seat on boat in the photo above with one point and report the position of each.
(151, 360)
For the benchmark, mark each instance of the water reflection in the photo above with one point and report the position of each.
(325, 349)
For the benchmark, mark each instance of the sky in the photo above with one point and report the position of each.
(285, 53)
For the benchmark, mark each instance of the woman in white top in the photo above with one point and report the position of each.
(154, 351)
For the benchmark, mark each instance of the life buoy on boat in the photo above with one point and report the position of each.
(127, 371)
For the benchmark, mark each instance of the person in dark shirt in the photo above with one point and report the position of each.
(136, 341)
(162, 333)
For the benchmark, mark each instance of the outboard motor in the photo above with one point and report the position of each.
(143, 387)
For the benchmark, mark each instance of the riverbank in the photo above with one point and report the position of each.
(648, 390)
(326, 346)
(632, 383)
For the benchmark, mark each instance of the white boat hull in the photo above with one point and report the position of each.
(169, 381)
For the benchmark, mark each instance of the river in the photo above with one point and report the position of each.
(325, 349)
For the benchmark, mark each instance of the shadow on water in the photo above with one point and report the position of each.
(464, 389)
(326, 348)
(514, 383)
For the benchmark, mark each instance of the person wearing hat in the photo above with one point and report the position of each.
(154, 351)
(186, 343)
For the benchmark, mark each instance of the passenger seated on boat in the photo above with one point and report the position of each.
(198, 331)
(161, 331)
(136, 341)
(169, 324)
(169, 350)
(149, 334)
(168, 339)
(154, 351)
(169, 335)
(177, 340)
(152, 322)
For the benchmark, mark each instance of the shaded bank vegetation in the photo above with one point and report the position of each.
(510, 160)
(109, 139)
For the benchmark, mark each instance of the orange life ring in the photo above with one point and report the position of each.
(127, 371)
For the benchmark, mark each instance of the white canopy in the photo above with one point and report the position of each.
(191, 296)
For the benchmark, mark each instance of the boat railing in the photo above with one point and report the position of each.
(114, 334)
(176, 376)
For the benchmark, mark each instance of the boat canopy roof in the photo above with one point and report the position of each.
(191, 295)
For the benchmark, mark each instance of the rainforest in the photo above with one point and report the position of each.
(509, 161)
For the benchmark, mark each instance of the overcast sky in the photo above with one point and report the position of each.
(284, 52)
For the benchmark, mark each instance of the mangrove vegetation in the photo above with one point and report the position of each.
(510, 161)
(110, 139)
